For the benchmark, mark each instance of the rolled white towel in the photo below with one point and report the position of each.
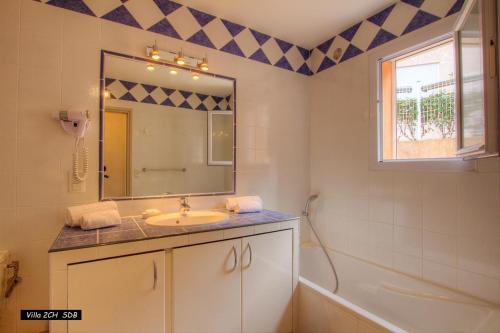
(74, 214)
(105, 218)
(249, 204)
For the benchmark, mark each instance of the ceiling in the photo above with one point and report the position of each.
(306, 23)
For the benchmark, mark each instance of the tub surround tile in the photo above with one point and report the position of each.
(440, 248)
(135, 229)
(440, 274)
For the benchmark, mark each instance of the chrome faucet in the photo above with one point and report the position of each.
(185, 208)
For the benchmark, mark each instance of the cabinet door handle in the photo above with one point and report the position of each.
(251, 255)
(249, 247)
(235, 258)
(155, 275)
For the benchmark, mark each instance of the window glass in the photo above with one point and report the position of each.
(418, 109)
(472, 103)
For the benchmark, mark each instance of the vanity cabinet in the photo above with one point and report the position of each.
(240, 285)
(229, 280)
(125, 294)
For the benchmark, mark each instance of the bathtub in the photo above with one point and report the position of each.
(374, 299)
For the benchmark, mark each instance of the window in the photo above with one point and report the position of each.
(439, 100)
(418, 104)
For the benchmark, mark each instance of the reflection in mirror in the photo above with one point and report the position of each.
(220, 138)
(165, 132)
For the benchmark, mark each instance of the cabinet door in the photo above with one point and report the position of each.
(125, 294)
(267, 282)
(207, 288)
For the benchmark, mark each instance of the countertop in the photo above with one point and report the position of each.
(135, 229)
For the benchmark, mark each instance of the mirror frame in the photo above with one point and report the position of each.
(101, 128)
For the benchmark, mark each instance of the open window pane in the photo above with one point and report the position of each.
(418, 104)
(471, 76)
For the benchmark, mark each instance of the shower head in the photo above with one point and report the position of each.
(311, 198)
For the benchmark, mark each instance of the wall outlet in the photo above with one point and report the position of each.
(75, 187)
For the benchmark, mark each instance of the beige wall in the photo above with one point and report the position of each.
(438, 226)
(49, 61)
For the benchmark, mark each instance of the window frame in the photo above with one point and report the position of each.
(425, 37)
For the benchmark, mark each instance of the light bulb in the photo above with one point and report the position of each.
(150, 67)
(173, 71)
(196, 76)
(155, 53)
(106, 94)
(179, 59)
(203, 65)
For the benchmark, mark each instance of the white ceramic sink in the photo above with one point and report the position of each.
(192, 218)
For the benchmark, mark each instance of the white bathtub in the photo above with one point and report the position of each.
(391, 301)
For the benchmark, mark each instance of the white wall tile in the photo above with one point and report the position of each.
(408, 241)
(9, 190)
(441, 274)
(480, 255)
(479, 209)
(408, 264)
(440, 248)
(381, 235)
(408, 200)
(440, 204)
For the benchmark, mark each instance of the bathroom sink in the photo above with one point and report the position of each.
(192, 218)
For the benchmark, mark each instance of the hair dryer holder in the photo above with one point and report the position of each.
(74, 122)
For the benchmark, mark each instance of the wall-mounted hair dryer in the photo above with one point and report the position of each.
(76, 123)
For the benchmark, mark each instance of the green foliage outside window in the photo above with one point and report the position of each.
(437, 114)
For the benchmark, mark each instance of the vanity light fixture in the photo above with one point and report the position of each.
(203, 65)
(179, 59)
(155, 53)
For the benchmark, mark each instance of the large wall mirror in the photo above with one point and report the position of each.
(165, 130)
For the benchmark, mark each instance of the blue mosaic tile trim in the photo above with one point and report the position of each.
(264, 48)
(150, 94)
(381, 28)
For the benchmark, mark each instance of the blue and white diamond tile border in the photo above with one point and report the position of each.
(151, 94)
(390, 23)
(174, 20)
